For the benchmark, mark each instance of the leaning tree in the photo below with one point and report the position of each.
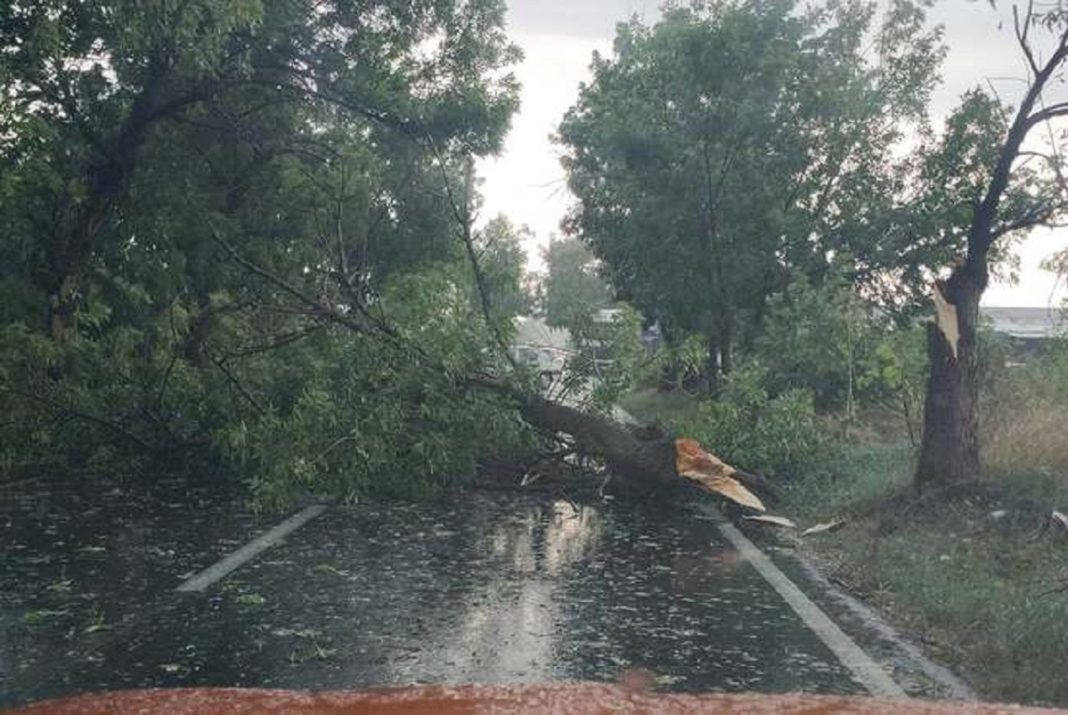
(1021, 186)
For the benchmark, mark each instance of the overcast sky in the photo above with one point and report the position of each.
(558, 38)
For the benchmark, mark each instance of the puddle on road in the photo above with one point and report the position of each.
(479, 587)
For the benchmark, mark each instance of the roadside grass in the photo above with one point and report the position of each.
(979, 591)
(863, 478)
(974, 577)
(978, 577)
(1029, 436)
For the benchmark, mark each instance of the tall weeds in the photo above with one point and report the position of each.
(1025, 416)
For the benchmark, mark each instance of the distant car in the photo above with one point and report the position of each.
(541, 359)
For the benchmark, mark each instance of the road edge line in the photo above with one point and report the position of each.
(220, 569)
(953, 685)
(860, 664)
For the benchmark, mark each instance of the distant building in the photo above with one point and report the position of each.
(1026, 328)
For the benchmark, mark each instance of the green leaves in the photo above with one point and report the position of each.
(730, 147)
(145, 144)
(573, 289)
(777, 434)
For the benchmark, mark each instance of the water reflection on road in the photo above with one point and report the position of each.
(491, 643)
(500, 588)
(476, 587)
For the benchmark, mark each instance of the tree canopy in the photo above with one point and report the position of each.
(733, 145)
(227, 223)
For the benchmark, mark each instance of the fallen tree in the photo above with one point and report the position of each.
(645, 460)
(324, 189)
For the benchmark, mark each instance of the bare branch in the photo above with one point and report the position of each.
(238, 386)
(1047, 113)
(462, 214)
(981, 235)
(1021, 34)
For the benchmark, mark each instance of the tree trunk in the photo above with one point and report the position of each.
(641, 458)
(107, 175)
(644, 461)
(726, 339)
(718, 362)
(950, 449)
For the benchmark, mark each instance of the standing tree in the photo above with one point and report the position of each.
(573, 290)
(501, 258)
(1013, 185)
(736, 142)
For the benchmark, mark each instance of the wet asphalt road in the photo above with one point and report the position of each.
(476, 587)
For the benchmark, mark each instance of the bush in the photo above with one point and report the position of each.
(826, 339)
(747, 426)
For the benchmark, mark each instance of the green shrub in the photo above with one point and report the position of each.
(746, 425)
(825, 339)
(818, 337)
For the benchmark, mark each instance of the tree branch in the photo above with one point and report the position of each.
(330, 313)
(85, 416)
(1021, 34)
(238, 386)
(980, 235)
(1044, 115)
(286, 339)
(462, 214)
(1035, 217)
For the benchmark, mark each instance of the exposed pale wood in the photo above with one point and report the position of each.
(946, 319)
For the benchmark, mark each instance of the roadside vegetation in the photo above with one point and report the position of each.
(978, 573)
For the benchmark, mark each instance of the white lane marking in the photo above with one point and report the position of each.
(864, 669)
(218, 570)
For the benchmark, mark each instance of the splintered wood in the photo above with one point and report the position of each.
(712, 474)
(946, 319)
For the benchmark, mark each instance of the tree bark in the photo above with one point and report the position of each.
(950, 448)
(643, 459)
(106, 179)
